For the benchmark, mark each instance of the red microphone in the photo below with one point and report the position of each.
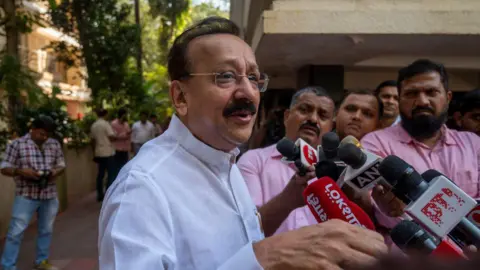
(327, 201)
(447, 248)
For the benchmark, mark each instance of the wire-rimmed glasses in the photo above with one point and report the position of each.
(228, 79)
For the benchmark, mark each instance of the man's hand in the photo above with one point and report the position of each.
(28, 173)
(293, 192)
(275, 211)
(470, 251)
(387, 201)
(332, 245)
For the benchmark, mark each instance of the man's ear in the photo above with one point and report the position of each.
(177, 96)
(449, 96)
(286, 113)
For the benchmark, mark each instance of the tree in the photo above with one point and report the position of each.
(109, 44)
(16, 80)
(204, 10)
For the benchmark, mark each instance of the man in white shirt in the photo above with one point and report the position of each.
(182, 203)
(142, 132)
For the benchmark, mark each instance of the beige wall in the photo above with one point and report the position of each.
(78, 180)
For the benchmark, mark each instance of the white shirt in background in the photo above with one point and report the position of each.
(179, 204)
(141, 133)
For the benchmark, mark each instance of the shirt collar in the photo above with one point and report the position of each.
(197, 148)
(403, 136)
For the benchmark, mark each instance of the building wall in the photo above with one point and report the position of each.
(459, 80)
(77, 181)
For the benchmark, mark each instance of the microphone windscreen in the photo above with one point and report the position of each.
(403, 177)
(327, 168)
(409, 235)
(287, 148)
(352, 155)
(351, 140)
(429, 175)
(330, 142)
(393, 168)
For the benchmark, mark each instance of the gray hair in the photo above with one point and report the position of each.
(317, 90)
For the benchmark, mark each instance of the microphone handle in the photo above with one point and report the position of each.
(302, 171)
(472, 232)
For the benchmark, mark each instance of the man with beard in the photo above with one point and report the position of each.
(359, 114)
(387, 91)
(422, 138)
(468, 117)
(309, 117)
(182, 203)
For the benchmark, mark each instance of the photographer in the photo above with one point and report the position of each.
(34, 161)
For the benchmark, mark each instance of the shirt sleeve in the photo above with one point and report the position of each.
(110, 131)
(129, 240)
(249, 165)
(11, 156)
(136, 233)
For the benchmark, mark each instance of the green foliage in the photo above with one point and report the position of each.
(109, 43)
(19, 81)
(66, 130)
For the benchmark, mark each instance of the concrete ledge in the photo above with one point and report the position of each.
(350, 5)
(371, 22)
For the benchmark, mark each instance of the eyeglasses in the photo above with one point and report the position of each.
(228, 79)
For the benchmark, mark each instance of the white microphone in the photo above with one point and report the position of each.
(438, 206)
(300, 153)
(308, 154)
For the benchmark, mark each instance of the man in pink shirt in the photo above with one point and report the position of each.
(422, 138)
(122, 146)
(309, 117)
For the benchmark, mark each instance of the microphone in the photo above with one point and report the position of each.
(474, 215)
(330, 143)
(351, 140)
(300, 153)
(467, 228)
(362, 167)
(327, 151)
(411, 238)
(326, 201)
(438, 206)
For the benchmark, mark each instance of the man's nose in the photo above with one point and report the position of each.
(245, 89)
(422, 100)
(357, 115)
(313, 117)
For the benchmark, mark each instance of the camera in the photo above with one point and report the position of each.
(44, 176)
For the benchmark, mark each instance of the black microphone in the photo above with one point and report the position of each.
(288, 149)
(328, 151)
(292, 152)
(330, 143)
(410, 237)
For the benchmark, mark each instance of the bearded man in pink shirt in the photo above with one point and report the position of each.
(309, 117)
(422, 139)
